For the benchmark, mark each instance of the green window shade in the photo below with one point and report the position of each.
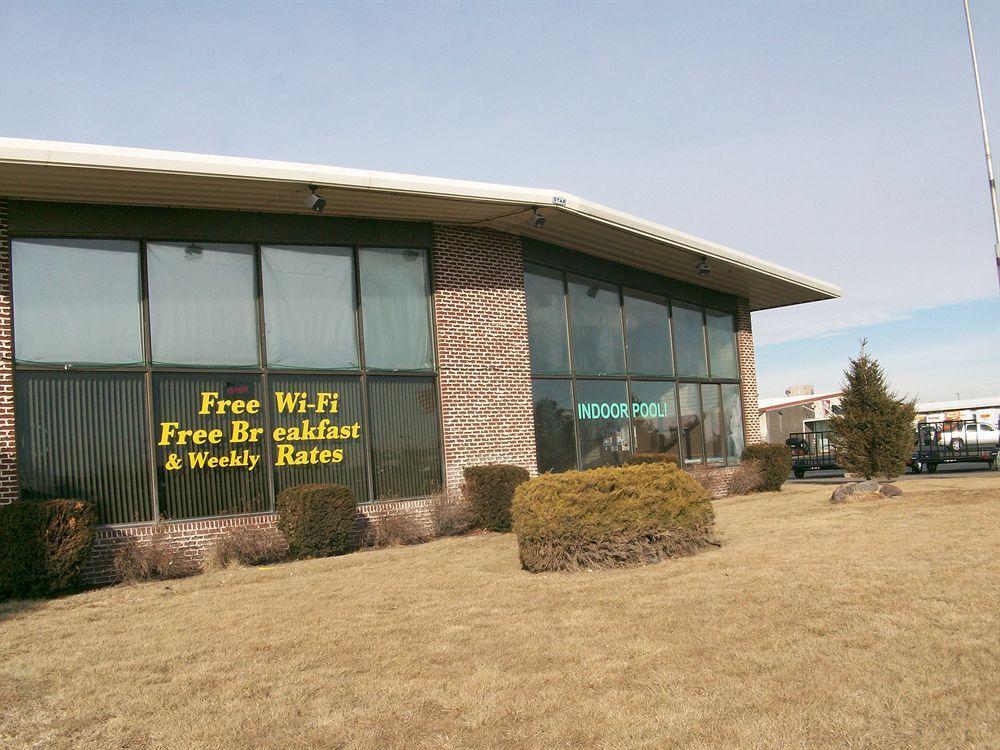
(308, 389)
(555, 436)
(732, 418)
(202, 306)
(395, 309)
(721, 344)
(405, 440)
(691, 428)
(689, 340)
(309, 307)
(595, 315)
(83, 436)
(543, 288)
(602, 422)
(647, 323)
(654, 417)
(196, 489)
(711, 408)
(77, 301)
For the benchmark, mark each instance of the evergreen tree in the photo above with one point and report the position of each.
(873, 433)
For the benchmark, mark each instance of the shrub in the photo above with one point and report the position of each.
(490, 490)
(450, 514)
(774, 462)
(746, 478)
(394, 529)
(612, 517)
(44, 546)
(635, 459)
(152, 559)
(248, 545)
(317, 519)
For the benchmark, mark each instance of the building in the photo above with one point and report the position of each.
(184, 336)
(799, 410)
(984, 410)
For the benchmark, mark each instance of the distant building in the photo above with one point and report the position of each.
(985, 410)
(801, 409)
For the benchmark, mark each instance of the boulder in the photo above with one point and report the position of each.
(845, 491)
(890, 490)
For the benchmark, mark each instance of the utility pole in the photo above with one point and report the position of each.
(986, 142)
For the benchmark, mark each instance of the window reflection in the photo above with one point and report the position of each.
(654, 417)
(596, 319)
(602, 411)
(647, 322)
(546, 301)
(555, 435)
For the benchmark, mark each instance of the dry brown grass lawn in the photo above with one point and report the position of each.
(814, 626)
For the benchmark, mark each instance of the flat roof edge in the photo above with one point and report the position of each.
(66, 154)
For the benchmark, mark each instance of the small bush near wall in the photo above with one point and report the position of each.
(747, 477)
(605, 518)
(44, 546)
(490, 490)
(393, 529)
(635, 459)
(317, 519)
(774, 462)
(247, 545)
(450, 514)
(152, 558)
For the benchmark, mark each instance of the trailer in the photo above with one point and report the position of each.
(935, 443)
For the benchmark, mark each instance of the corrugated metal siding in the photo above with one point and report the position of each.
(198, 492)
(349, 472)
(84, 436)
(405, 436)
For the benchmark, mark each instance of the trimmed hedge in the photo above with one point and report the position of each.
(490, 491)
(635, 459)
(44, 546)
(613, 517)
(774, 462)
(318, 520)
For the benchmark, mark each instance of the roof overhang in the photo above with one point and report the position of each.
(79, 173)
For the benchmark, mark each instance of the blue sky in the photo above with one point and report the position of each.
(841, 139)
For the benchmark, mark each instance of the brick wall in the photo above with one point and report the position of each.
(195, 538)
(9, 489)
(482, 340)
(748, 373)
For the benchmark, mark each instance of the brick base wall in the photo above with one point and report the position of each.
(717, 481)
(483, 360)
(195, 538)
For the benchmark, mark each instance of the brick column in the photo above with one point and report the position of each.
(748, 373)
(482, 342)
(9, 488)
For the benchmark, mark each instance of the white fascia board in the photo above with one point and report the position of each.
(148, 160)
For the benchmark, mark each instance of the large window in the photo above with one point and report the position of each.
(617, 370)
(192, 379)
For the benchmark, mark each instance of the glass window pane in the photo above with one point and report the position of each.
(209, 433)
(691, 426)
(647, 322)
(405, 443)
(732, 416)
(654, 417)
(598, 343)
(318, 436)
(721, 344)
(712, 411)
(555, 437)
(77, 301)
(602, 422)
(202, 306)
(83, 435)
(543, 288)
(309, 307)
(689, 340)
(395, 308)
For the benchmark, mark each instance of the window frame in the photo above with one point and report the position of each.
(677, 379)
(147, 368)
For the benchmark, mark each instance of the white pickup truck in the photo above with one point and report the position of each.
(970, 436)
